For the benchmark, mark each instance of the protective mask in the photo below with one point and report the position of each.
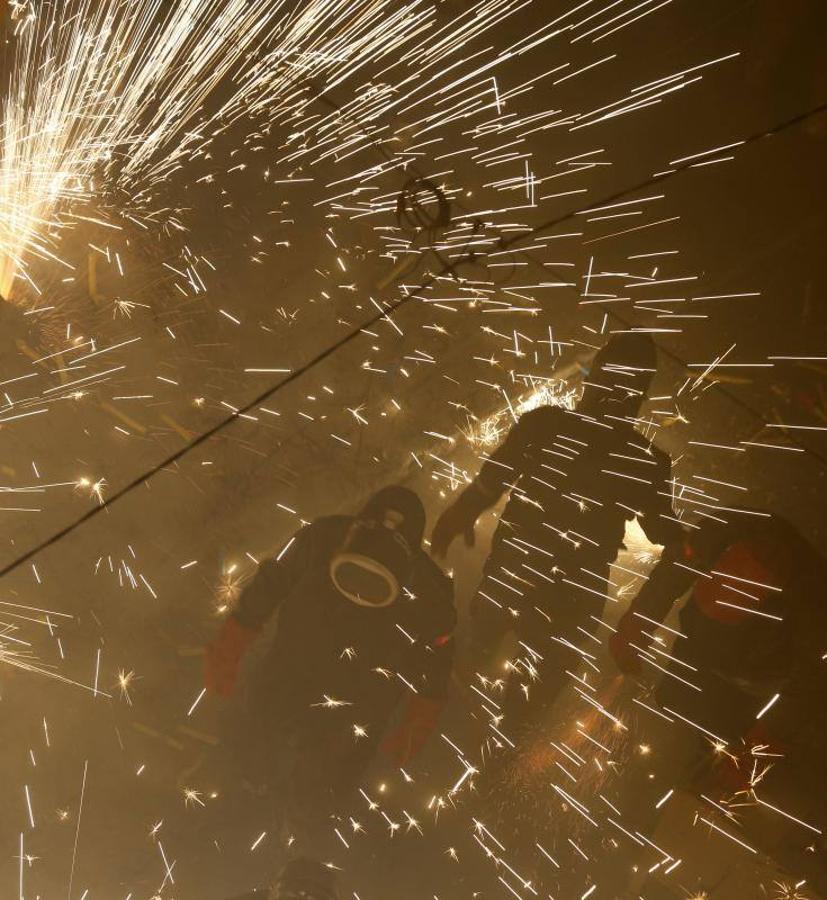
(374, 562)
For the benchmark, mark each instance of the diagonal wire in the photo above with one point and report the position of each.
(392, 307)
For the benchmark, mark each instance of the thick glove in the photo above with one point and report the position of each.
(629, 631)
(459, 518)
(418, 723)
(224, 655)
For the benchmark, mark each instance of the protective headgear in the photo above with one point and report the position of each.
(741, 577)
(629, 359)
(375, 560)
(305, 879)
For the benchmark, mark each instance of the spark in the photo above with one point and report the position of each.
(768, 706)
(195, 702)
(95, 488)
(125, 680)
(192, 796)
(331, 703)
(77, 827)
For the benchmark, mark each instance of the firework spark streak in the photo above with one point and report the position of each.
(108, 99)
(429, 152)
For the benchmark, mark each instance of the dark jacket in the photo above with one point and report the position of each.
(325, 646)
(576, 481)
(762, 637)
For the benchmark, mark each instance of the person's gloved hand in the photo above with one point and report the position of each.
(629, 631)
(458, 519)
(224, 654)
(418, 723)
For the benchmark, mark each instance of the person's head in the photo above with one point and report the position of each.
(399, 509)
(374, 562)
(620, 375)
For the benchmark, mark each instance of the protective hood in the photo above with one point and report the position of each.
(742, 580)
(406, 506)
(374, 562)
(627, 362)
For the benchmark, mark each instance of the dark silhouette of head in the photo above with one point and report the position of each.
(404, 504)
(620, 375)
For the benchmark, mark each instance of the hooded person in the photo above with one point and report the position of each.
(574, 479)
(740, 691)
(363, 632)
(752, 626)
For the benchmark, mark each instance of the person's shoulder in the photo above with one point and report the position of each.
(716, 530)
(546, 411)
(780, 532)
(324, 531)
(627, 431)
(433, 596)
(545, 418)
(331, 522)
(662, 457)
(427, 574)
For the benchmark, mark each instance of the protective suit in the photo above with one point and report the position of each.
(365, 624)
(752, 626)
(575, 478)
(741, 688)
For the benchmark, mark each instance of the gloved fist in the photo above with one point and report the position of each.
(629, 632)
(224, 654)
(456, 520)
(418, 723)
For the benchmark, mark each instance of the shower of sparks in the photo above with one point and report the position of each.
(420, 144)
(109, 99)
(490, 432)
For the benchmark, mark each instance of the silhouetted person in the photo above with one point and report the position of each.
(365, 624)
(744, 679)
(575, 478)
